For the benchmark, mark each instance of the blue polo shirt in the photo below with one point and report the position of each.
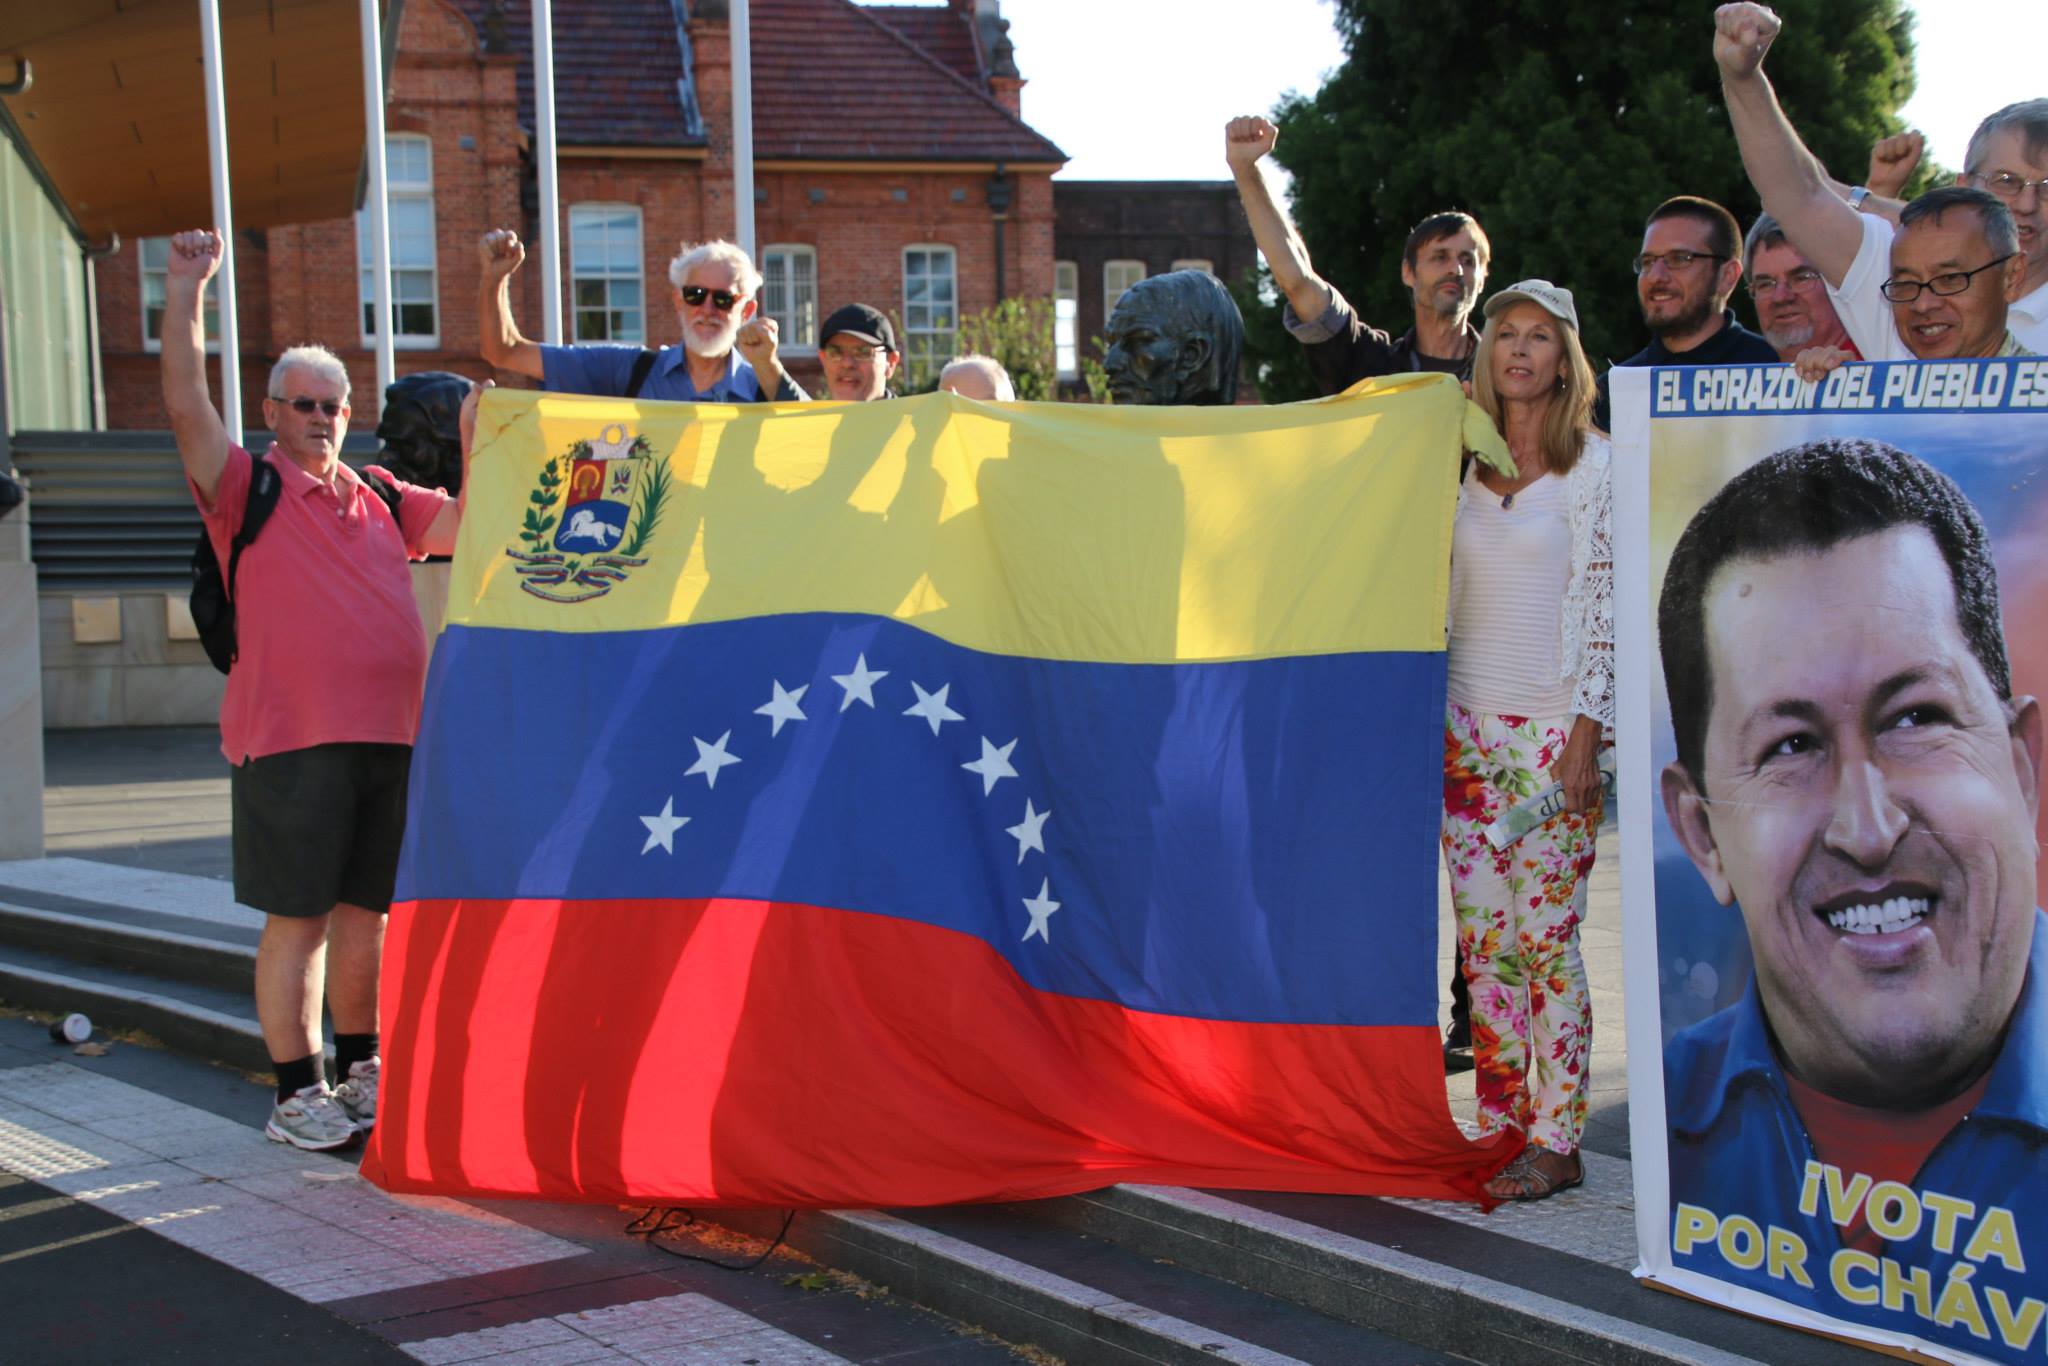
(604, 368)
(1738, 1149)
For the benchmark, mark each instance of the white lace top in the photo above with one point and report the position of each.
(1496, 661)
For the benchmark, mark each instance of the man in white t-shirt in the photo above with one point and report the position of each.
(1971, 256)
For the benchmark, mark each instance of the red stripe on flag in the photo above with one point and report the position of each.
(760, 1053)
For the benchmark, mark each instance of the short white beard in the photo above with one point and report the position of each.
(709, 350)
(1789, 338)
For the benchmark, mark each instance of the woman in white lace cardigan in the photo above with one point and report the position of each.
(1531, 698)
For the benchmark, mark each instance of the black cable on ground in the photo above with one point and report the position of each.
(659, 1220)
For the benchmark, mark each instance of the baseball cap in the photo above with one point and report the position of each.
(1550, 298)
(858, 320)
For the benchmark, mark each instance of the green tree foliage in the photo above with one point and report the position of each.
(1018, 334)
(1559, 124)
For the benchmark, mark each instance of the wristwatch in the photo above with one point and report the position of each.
(1857, 196)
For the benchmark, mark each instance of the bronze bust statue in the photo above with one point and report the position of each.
(421, 428)
(1174, 338)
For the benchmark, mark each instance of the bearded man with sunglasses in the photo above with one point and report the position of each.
(727, 355)
(1955, 280)
(322, 700)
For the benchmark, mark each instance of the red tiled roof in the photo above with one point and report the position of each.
(617, 64)
(941, 31)
(910, 105)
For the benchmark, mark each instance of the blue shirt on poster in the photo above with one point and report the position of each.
(1739, 1150)
(604, 369)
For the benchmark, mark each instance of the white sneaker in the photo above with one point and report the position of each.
(310, 1118)
(358, 1093)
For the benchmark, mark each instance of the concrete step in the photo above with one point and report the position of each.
(166, 944)
(210, 1022)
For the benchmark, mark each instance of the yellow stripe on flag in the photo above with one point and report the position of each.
(1061, 531)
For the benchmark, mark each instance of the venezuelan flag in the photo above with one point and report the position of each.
(932, 801)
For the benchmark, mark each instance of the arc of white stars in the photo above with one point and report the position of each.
(783, 706)
(1040, 908)
(662, 829)
(1029, 833)
(931, 706)
(993, 765)
(860, 684)
(711, 758)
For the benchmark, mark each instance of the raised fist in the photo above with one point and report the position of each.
(1892, 163)
(1246, 139)
(1742, 35)
(500, 253)
(756, 341)
(195, 255)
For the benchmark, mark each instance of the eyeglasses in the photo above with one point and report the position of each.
(1674, 261)
(853, 353)
(2006, 185)
(721, 299)
(1950, 282)
(305, 406)
(1804, 278)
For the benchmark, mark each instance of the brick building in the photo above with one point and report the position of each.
(925, 195)
(1110, 234)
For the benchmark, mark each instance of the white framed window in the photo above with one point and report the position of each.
(931, 317)
(1118, 276)
(789, 294)
(1195, 263)
(415, 293)
(1066, 319)
(154, 256)
(604, 273)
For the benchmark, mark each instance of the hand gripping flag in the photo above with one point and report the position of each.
(930, 801)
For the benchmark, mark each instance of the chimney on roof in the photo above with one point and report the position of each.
(998, 53)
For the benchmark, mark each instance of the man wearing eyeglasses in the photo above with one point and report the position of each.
(321, 703)
(1686, 273)
(1793, 310)
(1958, 278)
(727, 355)
(859, 354)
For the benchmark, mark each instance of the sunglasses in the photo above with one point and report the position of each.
(721, 299)
(306, 406)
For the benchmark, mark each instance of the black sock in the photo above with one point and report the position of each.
(350, 1049)
(296, 1075)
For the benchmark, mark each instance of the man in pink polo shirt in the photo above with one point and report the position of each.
(321, 704)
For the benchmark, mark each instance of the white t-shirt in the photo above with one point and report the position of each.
(1868, 316)
(1510, 568)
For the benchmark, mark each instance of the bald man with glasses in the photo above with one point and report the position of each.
(1955, 277)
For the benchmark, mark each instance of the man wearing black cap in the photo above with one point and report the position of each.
(859, 354)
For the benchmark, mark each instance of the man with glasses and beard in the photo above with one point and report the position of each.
(1792, 307)
(727, 355)
(1686, 272)
(1963, 275)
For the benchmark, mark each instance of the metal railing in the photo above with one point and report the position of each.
(110, 510)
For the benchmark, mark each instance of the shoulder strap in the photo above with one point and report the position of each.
(643, 365)
(385, 487)
(264, 486)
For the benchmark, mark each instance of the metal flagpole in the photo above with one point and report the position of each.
(550, 199)
(742, 128)
(379, 201)
(223, 219)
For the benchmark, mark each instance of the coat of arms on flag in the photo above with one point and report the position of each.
(601, 501)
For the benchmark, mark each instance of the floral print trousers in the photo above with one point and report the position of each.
(1518, 924)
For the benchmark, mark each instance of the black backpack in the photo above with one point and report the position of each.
(213, 594)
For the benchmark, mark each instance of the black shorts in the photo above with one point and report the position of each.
(313, 827)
